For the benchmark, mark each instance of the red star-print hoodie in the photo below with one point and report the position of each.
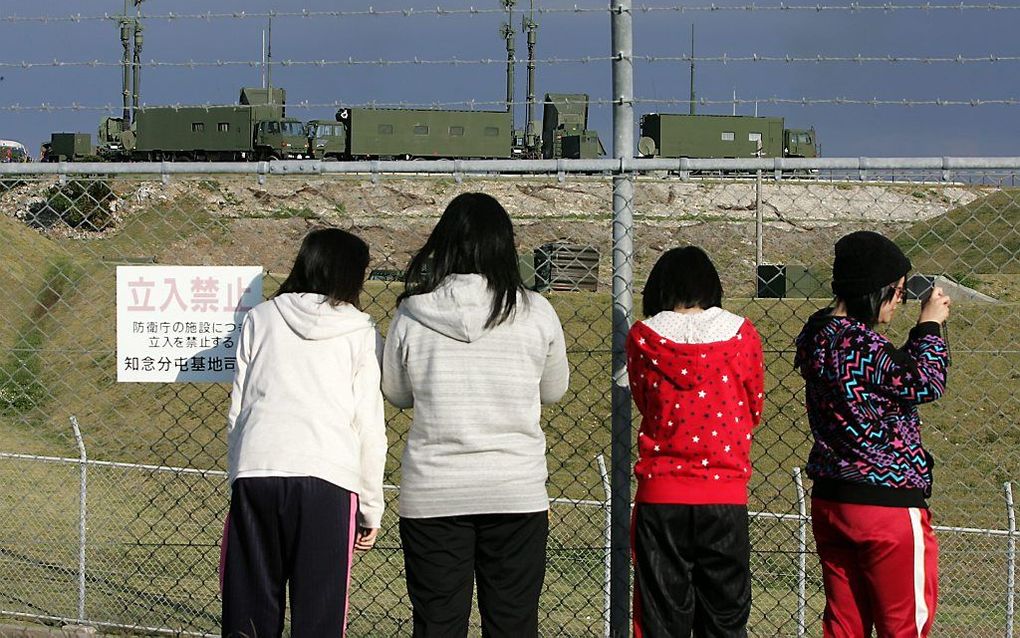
(699, 388)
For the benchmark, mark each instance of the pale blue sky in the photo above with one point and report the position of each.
(844, 130)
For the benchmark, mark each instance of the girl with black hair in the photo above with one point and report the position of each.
(696, 375)
(476, 355)
(306, 446)
(871, 473)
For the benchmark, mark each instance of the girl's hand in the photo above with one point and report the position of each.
(365, 538)
(935, 307)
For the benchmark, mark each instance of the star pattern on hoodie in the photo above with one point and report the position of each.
(698, 402)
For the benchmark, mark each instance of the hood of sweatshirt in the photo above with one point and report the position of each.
(684, 364)
(458, 308)
(311, 317)
(814, 343)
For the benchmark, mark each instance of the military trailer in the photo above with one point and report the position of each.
(565, 131)
(425, 133)
(69, 147)
(721, 136)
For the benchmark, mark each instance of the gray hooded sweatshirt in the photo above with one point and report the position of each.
(475, 445)
(306, 398)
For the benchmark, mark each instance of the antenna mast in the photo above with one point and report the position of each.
(508, 33)
(269, 62)
(692, 68)
(530, 27)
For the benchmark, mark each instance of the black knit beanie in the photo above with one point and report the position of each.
(866, 261)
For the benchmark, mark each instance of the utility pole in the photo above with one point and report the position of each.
(530, 27)
(508, 33)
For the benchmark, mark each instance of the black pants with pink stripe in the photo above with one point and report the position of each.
(879, 568)
(296, 531)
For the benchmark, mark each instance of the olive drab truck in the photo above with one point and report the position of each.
(721, 136)
(327, 140)
(254, 129)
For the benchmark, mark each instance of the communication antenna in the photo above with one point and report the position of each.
(136, 81)
(125, 43)
(131, 42)
(508, 33)
(530, 27)
(269, 62)
(263, 68)
(692, 68)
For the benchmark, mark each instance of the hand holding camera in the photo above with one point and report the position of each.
(935, 307)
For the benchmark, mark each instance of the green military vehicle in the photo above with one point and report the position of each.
(218, 133)
(424, 133)
(327, 140)
(68, 147)
(722, 136)
(565, 131)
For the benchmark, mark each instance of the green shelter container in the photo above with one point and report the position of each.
(710, 136)
(425, 133)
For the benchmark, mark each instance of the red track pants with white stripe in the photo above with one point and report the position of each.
(879, 567)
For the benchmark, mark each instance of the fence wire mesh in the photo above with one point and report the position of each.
(156, 490)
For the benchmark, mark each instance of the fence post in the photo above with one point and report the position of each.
(801, 554)
(623, 257)
(1010, 559)
(607, 510)
(82, 509)
(759, 226)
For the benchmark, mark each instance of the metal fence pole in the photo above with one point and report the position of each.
(1010, 559)
(801, 554)
(759, 225)
(81, 518)
(607, 510)
(623, 257)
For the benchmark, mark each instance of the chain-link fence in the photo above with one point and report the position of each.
(152, 455)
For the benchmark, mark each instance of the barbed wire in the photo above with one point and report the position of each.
(351, 61)
(851, 7)
(289, 63)
(601, 102)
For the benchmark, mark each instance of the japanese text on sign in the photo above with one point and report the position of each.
(180, 323)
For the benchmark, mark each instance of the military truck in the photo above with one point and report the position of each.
(327, 140)
(722, 136)
(218, 133)
(424, 133)
(68, 147)
(565, 131)
(256, 128)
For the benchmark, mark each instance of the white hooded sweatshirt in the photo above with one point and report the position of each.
(306, 398)
(476, 445)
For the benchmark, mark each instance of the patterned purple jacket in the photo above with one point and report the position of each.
(861, 396)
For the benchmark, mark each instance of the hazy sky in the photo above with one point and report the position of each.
(844, 130)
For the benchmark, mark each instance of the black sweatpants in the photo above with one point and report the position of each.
(297, 531)
(691, 571)
(505, 553)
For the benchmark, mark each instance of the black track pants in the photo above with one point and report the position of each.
(287, 530)
(504, 552)
(692, 571)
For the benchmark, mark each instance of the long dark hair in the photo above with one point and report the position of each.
(331, 262)
(683, 277)
(474, 235)
(865, 308)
